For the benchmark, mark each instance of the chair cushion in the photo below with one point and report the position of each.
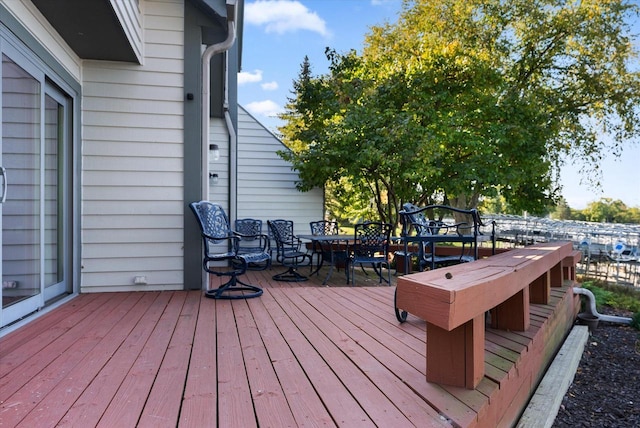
(255, 257)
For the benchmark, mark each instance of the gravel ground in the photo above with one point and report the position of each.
(606, 389)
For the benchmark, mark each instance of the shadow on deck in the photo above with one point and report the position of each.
(301, 354)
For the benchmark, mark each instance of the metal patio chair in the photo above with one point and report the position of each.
(289, 250)
(252, 240)
(324, 250)
(371, 247)
(220, 249)
(425, 227)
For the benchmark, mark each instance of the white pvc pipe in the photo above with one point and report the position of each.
(591, 309)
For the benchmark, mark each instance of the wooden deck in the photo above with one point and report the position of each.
(299, 355)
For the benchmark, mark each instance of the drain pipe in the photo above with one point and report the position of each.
(233, 165)
(591, 308)
(212, 50)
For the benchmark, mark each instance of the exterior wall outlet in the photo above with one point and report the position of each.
(9, 284)
(140, 280)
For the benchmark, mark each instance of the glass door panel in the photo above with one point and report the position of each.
(56, 134)
(35, 186)
(21, 158)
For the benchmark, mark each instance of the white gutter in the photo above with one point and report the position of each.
(206, 83)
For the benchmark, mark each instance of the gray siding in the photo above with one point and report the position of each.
(128, 13)
(266, 183)
(132, 162)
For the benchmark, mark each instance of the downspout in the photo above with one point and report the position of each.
(233, 151)
(206, 91)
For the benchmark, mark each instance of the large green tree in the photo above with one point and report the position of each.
(464, 99)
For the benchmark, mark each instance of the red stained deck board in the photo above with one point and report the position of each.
(269, 398)
(405, 346)
(62, 319)
(505, 342)
(163, 403)
(338, 350)
(90, 406)
(17, 347)
(127, 404)
(201, 392)
(331, 389)
(301, 335)
(376, 360)
(235, 407)
(305, 405)
(52, 363)
(65, 394)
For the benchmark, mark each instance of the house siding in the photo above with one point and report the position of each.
(133, 161)
(128, 13)
(266, 183)
(219, 192)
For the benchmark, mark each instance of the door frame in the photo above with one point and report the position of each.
(55, 75)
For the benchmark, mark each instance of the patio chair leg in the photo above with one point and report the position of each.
(230, 290)
(400, 314)
(291, 275)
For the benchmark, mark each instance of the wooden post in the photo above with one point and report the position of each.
(512, 314)
(556, 275)
(540, 289)
(456, 357)
(569, 265)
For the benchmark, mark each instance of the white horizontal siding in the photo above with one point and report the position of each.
(128, 14)
(31, 19)
(218, 134)
(266, 183)
(133, 159)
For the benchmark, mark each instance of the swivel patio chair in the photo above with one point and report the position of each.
(221, 257)
(371, 247)
(289, 251)
(252, 240)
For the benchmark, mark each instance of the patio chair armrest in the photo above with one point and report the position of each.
(263, 239)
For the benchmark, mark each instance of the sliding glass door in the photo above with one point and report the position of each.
(34, 214)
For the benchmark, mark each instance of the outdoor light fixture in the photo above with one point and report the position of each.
(213, 177)
(215, 151)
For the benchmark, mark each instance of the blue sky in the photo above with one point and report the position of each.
(279, 33)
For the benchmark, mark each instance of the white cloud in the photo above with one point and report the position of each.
(264, 108)
(269, 86)
(283, 16)
(249, 77)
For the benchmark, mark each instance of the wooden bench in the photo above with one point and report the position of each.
(454, 301)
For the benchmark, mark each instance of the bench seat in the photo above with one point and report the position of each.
(454, 300)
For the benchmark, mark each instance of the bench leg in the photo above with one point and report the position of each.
(513, 313)
(456, 357)
(540, 289)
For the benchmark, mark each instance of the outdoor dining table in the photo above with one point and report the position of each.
(332, 241)
(433, 240)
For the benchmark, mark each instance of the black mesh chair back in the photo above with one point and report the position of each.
(417, 219)
(252, 240)
(289, 250)
(221, 256)
(324, 227)
(325, 251)
(371, 247)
